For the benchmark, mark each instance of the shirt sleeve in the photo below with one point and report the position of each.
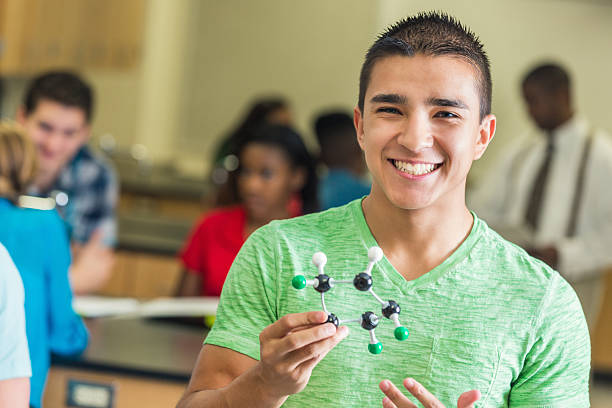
(556, 368)
(108, 221)
(248, 300)
(95, 205)
(67, 332)
(14, 355)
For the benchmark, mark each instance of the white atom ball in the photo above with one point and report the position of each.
(375, 254)
(319, 259)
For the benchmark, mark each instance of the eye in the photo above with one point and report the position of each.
(388, 109)
(267, 174)
(446, 114)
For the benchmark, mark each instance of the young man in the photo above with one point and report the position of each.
(547, 193)
(56, 114)
(487, 322)
(341, 154)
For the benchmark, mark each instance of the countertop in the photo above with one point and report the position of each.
(161, 349)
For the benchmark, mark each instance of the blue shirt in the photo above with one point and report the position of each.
(38, 243)
(340, 187)
(14, 356)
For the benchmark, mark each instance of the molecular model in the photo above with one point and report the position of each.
(362, 282)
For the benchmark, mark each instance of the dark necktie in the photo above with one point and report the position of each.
(534, 206)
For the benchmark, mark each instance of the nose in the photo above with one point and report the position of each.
(416, 132)
(251, 184)
(53, 142)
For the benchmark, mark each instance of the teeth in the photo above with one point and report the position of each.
(417, 169)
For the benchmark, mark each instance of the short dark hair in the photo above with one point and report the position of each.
(550, 76)
(430, 34)
(63, 87)
(337, 138)
(328, 125)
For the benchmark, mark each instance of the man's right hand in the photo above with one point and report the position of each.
(289, 350)
(291, 347)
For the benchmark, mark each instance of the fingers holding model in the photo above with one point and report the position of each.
(291, 347)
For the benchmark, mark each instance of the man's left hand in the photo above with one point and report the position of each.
(395, 399)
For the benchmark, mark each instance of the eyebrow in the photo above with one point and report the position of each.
(453, 103)
(402, 100)
(389, 98)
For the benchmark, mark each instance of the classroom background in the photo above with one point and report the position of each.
(172, 78)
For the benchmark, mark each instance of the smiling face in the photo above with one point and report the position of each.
(420, 130)
(267, 181)
(57, 131)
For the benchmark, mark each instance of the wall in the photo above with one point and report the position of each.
(308, 51)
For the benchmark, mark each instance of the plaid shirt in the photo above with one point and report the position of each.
(92, 189)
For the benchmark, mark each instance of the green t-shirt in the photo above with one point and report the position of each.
(489, 317)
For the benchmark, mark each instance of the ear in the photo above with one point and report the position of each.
(298, 179)
(486, 132)
(358, 122)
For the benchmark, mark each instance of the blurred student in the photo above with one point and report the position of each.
(38, 244)
(341, 154)
(271, 110)
(15, 371)
(550, 192)
(274, 166)
(56, 114)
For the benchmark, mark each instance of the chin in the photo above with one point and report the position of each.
(409, 201)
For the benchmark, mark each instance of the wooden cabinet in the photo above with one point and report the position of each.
(43, 34)
(143, 276)
(601, 338)
(130, 391)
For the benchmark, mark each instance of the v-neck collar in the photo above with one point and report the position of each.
(433, 275)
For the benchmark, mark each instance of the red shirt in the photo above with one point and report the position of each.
(213, 245)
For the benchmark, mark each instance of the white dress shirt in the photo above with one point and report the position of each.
(502, 199)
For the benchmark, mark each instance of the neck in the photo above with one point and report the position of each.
(416, 241)
(566, 117)
(45, 179)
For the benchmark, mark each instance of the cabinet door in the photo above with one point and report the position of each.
(125, 32)
(12, 31)
(602, 335)
(37, 35)
(143, 276)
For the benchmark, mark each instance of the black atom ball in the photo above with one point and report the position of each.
(392, 308)
(323, 285)
(331, 318)
(362, 282)
(369, 320)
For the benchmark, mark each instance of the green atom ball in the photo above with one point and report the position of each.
(298, 282)
(401, 333)
(375, 348)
